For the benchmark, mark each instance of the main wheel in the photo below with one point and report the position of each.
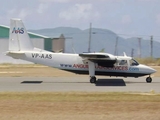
(93, 79)
(148, 79)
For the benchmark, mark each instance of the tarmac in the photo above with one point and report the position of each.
(80, 84)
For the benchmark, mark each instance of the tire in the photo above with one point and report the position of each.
(148, 79)
(93, 80)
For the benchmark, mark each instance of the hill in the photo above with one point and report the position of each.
(101, 38)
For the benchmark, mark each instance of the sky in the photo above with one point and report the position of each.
(129, 17)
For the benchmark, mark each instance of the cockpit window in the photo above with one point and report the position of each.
(133, 62)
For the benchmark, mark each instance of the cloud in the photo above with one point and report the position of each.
(18, 13)
(12, 11)
(126, 19)
(58, 1)
(146, 0)
(158, 19)
(79, 11)
(27, 12)
(64, 1)
(24, 13)
(42, 8)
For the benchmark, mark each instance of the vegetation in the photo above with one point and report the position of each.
(79, 96)
(149, 61)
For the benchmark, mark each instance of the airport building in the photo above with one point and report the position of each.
(52, 43)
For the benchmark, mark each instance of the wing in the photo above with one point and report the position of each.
(102, 59)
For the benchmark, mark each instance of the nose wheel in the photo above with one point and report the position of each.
(93, 79)
(149, 79)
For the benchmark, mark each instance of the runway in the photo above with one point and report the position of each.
(65, 84)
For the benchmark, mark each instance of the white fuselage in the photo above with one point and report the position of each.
(75, 63)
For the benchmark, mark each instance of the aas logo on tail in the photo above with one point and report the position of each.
(18, 30)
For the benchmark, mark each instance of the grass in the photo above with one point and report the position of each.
(78, 96)
(78, 106)
(20, 65)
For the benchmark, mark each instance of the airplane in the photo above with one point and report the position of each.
(21, 47)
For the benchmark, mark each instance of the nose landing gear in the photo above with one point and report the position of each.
(149, 79)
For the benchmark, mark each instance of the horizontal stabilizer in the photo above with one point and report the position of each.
(15, 52)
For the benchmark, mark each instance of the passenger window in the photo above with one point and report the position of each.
(123, 62)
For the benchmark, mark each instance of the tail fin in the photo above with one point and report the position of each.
(18, 37)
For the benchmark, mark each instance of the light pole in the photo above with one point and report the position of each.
(90, 35)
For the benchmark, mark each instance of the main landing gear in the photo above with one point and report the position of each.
(92, 72)
(149, 79)
(93, 79)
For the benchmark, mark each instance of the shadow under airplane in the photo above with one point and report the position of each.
(110, 82)
(100, 82)
(31, 82)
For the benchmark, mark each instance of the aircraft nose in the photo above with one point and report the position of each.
(152, 70)
(148, 69)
